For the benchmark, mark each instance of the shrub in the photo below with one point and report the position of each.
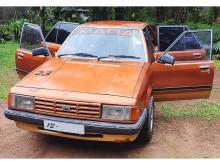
(16, 27)
(4, 32)
(215, 28)
(11, 30)
(216, 47)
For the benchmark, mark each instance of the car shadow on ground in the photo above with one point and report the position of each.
(90, 145)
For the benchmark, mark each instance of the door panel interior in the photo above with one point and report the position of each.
(187, 55)
(25, 62)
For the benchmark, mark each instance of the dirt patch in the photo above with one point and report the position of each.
(188, 138)
(176, 138)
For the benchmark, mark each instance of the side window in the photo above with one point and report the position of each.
(168, 34)
(31, 37)
(189, 41)
(198, 42)
(64, 30)
(52, 35)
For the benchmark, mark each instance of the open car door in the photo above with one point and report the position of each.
(58, 34)
(191, 76)
(31, 38)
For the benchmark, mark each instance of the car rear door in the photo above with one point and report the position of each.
(58, 35)
(167, 34)
(191, 76)
(31, 38)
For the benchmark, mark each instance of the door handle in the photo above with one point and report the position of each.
(20, 55)
(197, 55)
(204, 67)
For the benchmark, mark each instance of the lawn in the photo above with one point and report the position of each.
(8, 76)
(217, 63)
(204, 109)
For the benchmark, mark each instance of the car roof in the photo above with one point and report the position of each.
(127, 24)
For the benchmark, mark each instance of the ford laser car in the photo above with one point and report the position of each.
(103, 81)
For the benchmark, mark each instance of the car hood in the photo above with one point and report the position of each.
(107, 78)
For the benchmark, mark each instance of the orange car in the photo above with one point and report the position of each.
(103, 81)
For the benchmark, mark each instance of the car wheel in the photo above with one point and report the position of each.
(146, 131)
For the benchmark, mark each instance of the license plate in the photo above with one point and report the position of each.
(64, 127)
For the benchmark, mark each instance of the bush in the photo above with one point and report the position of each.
(11, 30)
(215, 29)
(4, 32)
(16, 27)
(216, 47)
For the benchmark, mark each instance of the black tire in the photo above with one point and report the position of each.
(146, 131)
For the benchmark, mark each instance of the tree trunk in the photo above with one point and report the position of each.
(180, 14)
(42, 20)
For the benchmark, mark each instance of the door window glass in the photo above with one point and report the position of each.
(31, 37)
(199, 41)
(168, 34)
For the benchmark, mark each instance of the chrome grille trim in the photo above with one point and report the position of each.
(75, 109)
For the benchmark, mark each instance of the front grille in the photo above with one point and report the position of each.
(68, 108)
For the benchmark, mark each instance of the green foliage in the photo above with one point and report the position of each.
(5, 33)
(48, 26)
(203, 109)
(216, 33)
(11, 30)
(217, 63)
(213, 26)
(8, 76)
(170, 21)
(216, 47)
(16, 27)
(70, 14)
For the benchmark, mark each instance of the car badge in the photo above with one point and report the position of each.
(66, 108)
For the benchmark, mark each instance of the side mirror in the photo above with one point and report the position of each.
(166, 59)
(40, 51)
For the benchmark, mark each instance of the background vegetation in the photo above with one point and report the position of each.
(46, 17)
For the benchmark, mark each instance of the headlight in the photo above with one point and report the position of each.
(116, 112)
(22, 102)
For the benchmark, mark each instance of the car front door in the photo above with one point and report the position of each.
(191, 76)
(31, 38)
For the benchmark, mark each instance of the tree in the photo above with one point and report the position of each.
(42, 19)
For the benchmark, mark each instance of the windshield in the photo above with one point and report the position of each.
(114, 43)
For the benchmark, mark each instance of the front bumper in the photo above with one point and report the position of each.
(93, 129)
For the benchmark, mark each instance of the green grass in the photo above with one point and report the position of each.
(203, 109)
(8, 75)
(217, 63)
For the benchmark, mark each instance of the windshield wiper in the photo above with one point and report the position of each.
(119, 56)
(79, 54)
